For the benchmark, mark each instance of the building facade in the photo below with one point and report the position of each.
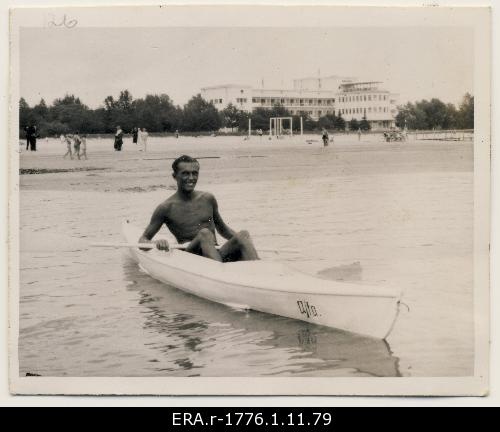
(315, 97)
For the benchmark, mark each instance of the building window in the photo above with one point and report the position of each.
(220, 100)
(292, 101)
(364, 98)
(369, 97)
(282, 101)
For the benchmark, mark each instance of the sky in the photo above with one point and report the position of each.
(92, 63)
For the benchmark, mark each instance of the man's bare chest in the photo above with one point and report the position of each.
(190, 213)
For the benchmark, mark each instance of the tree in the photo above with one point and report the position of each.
(353, 125)
(364, 125)
(243, 121)
(231, 116)
(339, 123)
(124, 115)
(69, 111)
(25, 115)
(156, 113)
(41, 112)
(260, 118)
(309, 123)
(465, 113)
(327, 122)
(200, 115)
(435, 114)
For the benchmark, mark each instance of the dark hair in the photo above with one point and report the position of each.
(183, 158)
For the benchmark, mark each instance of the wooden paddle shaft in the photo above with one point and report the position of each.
(172, 246)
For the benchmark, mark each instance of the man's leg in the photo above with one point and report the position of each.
(241, 243)
(204, 242)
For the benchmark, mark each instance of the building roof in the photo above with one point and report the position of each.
(361, 83)
(226, 86)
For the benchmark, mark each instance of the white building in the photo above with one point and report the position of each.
(316, 97)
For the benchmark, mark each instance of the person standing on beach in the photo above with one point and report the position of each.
(84, 146)
(193, 218)
(143, 139)
(118, 139)
(31, 136)
(67, 140)
(325, 137)
(135, 134)
(76, 144)
(27, 132)
(176, 133)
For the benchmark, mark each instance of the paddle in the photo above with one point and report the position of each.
(51, 243)
(173, 246)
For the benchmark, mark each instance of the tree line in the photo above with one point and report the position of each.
(158, 114)
(435, 114)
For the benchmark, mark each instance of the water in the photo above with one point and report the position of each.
(92, 312)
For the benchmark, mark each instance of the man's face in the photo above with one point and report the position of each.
(187, 176)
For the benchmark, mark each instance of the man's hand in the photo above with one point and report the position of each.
(162, 245)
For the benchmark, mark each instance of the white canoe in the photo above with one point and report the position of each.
(274, 288)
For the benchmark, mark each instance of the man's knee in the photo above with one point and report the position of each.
(243, 236)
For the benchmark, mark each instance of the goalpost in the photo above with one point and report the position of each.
(276, 126)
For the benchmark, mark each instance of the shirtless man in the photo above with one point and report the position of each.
(193, 217)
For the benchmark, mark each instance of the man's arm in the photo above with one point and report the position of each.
(157, 220)
(220, 225)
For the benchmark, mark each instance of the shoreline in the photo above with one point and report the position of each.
(233, 161)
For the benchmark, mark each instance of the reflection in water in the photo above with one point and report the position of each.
(199, 337)
(347, 272)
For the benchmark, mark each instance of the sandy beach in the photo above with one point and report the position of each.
(384, 214)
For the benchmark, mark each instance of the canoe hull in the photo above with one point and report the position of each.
(274, 288)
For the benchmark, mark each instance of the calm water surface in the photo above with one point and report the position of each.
(92, 312)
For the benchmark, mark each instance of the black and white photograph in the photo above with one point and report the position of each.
(254, 200)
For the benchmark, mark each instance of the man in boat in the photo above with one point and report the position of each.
(193, 218)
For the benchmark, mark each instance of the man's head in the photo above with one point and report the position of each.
(185, 171)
